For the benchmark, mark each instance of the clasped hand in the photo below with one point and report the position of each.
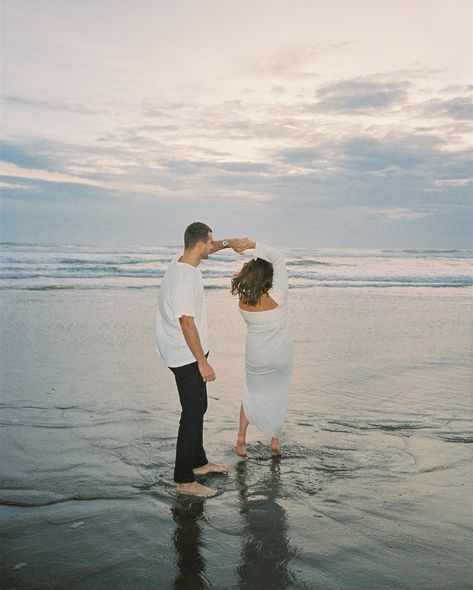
(241, 244)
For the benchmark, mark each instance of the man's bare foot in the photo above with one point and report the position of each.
(195, 488)
(210, 468)
(275, 447)
(240, 448)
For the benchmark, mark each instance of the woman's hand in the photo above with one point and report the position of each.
(239, 245)
(247, 244)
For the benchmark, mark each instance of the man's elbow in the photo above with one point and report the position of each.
(187, 322)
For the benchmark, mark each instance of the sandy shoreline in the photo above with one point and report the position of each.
(372, 491)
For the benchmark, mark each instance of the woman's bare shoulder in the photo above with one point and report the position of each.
(265, 303)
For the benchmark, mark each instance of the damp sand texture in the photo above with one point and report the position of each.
(373, 490)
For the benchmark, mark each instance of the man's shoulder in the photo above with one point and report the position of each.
(181, 273)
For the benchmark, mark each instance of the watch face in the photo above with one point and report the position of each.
(225, 243)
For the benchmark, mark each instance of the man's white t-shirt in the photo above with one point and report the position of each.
(181, 293)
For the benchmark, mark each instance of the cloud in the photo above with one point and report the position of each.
(12, 186)
(160, 109)
(453, 182)
(240, 194)
(14, 171)
(403, 151)
(391, 213)
(287, 63)
(30, 154)
(460, 108)
(244, 167)
(54, 105)
(357, 95)
(257, 151)
(300, 155)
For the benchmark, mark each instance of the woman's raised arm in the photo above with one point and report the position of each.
(280, 279)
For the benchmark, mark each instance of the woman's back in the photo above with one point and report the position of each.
(265, 303)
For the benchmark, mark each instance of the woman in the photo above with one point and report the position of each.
(262, 287)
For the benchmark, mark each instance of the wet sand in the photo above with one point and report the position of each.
(373, 490)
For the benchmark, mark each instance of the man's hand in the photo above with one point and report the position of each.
(208, 374)
(241, 244)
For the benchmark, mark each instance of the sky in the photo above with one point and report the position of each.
(298, 123)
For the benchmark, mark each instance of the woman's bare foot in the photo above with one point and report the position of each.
(210, 468)
(275, 447)
(240, 448)
(195, 488)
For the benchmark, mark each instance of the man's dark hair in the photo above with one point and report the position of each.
(195, 232)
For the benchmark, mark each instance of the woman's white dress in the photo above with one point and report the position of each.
(268, 353)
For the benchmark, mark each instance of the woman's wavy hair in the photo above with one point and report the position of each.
(253, 280)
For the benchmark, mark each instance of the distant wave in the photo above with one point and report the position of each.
(111, 262)
(466, 253)
(308, 262)
(43, 267)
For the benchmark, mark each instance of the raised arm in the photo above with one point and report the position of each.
(236, 244)
(280, 280)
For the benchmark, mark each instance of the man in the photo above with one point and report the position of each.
(182, 342)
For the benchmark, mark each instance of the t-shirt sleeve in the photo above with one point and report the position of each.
(183, 298)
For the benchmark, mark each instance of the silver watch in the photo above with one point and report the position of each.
(225, 243)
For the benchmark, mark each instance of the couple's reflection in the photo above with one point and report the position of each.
(265, 550)
(187, 514)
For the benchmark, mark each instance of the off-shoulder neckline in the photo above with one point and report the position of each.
(262, 311)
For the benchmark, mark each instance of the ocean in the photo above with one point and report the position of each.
(65, 266)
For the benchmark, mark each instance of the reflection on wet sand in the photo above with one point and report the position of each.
(265, 548)
(265, 551)
(187, 539)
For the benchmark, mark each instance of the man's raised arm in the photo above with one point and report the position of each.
(236, 244)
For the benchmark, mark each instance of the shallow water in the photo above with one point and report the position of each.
(373, 490)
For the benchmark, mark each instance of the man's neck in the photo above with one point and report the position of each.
(190, 257)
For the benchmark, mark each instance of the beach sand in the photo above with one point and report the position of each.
(373, 490)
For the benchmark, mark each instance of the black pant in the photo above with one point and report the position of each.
(190, 451)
